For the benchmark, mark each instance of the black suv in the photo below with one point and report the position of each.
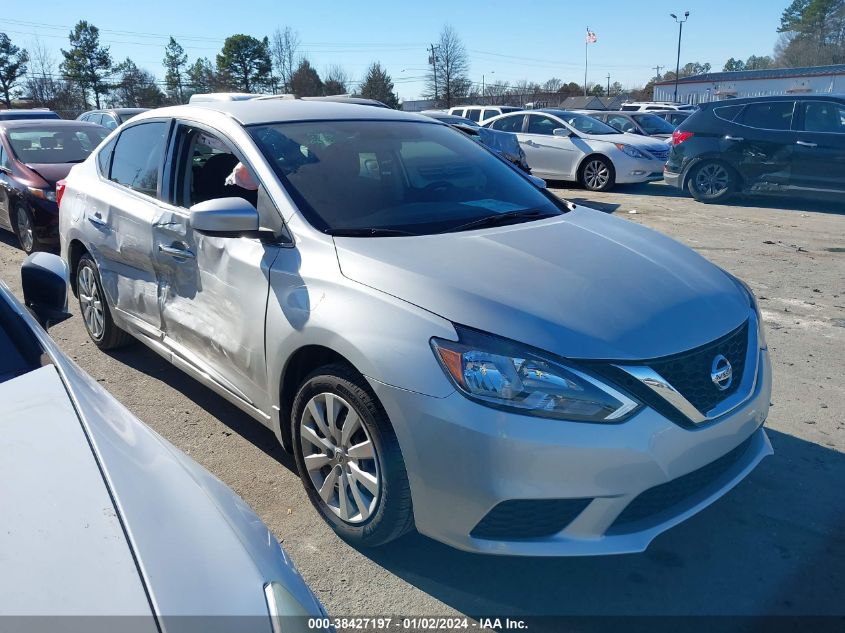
(785, 144)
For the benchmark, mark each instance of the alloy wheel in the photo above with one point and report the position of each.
(26, 234)
(340, 457)
(90, 302)
(712, 179)
(596, 174)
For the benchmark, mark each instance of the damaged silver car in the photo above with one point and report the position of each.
(438, 341)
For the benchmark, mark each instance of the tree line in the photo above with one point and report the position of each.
(88, 77)
(811, 32)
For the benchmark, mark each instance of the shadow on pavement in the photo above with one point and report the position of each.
(772, 546)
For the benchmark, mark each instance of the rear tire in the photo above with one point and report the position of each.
(349, 459)
(712, 181)
(597, 174)
(95, 309)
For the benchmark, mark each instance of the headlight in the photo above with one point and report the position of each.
(502, 374)
(752, 303)
(44, 194)
(281, 604)
(633, 152)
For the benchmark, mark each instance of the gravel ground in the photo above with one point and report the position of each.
(775, 545)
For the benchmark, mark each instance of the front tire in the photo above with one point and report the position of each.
(95, 309)
(711, 181)
(25, 230)
(597, 174)
(349, 459)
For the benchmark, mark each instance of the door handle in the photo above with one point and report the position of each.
(806, 144)
(736, 139)
(97, 219)
(182, 253)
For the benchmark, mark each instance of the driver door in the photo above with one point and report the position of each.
(213, 290)
(551, 156)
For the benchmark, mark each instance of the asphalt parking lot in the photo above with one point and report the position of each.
(773, 546)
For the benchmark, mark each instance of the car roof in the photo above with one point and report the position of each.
(118, 110)
(803, 97)
(258, 111)
(40, 123)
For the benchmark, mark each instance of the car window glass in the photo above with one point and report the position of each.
(824, 116)
(4, 158)
(109, 121)
(53, 145)
(541, 124)
(104, 158)
(473, 114)
(489, 114)
(621, 123)
(728, 113)
(457, 112)
(653, 124)
(138, 156)
(767, 115)
(205, 167)
(399, 176)
(511, 123)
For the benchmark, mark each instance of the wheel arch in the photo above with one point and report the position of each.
(76, 249)
(716, 158)
(588, 157)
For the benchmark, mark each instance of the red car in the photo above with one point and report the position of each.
(34, 155)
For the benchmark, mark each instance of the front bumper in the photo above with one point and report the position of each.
(635, 170)
(464, 459)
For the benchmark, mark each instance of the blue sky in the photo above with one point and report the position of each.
(506, 40)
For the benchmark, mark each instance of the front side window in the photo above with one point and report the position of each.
(54, 144)
(379, 177)
(824, 116)
(768, 115)
(541, 124)
(511, 123)
(621, 123)
(587, 124)
(4, 158)
(138, 156)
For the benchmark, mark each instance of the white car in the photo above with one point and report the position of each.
(565, 145)
(481, 114)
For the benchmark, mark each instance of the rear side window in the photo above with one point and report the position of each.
(489, 114)
(473, 114)
(728, 113)
(138, 156)
(768, 115)
(509, 123)
(824, 116)
(457, 111)
(4, 158)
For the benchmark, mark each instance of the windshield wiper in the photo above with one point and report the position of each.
(497, 219)
(367, 232)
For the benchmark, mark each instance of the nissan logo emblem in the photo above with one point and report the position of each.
(721, 372)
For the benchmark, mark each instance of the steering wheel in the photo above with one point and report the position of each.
(439, 185)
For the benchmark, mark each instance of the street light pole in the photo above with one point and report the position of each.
(680, 33)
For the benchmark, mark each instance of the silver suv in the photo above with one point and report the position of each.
(439, 342)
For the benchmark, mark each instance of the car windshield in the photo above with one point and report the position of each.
(350, 177)
(586, 124)
(653, 124)
(53, 144)
(10, 115)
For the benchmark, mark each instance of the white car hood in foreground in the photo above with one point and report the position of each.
(53, 501)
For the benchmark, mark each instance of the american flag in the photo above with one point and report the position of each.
(591, 37)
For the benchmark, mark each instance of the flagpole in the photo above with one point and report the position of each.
(586, 48)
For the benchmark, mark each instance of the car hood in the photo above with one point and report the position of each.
(62, 548)
(51, 172)
(581, 285)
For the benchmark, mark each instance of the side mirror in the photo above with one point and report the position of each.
(225, 217)
(561, 131)
(44, 278)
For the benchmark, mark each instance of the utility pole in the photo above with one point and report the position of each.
(680, 33)
(657, 69)
(432, 59)
(608, 84)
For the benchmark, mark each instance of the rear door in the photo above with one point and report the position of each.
(818, 159)
(759, 143)
(119, 219)
(213, 290)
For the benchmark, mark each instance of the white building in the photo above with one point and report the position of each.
(753, 83)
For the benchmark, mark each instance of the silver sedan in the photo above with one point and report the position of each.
(439, 342)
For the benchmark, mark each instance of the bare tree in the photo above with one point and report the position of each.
(43, 83)
(497, 91)
(336, 80)
(284, 49)
(552, 85)
(448, 78)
